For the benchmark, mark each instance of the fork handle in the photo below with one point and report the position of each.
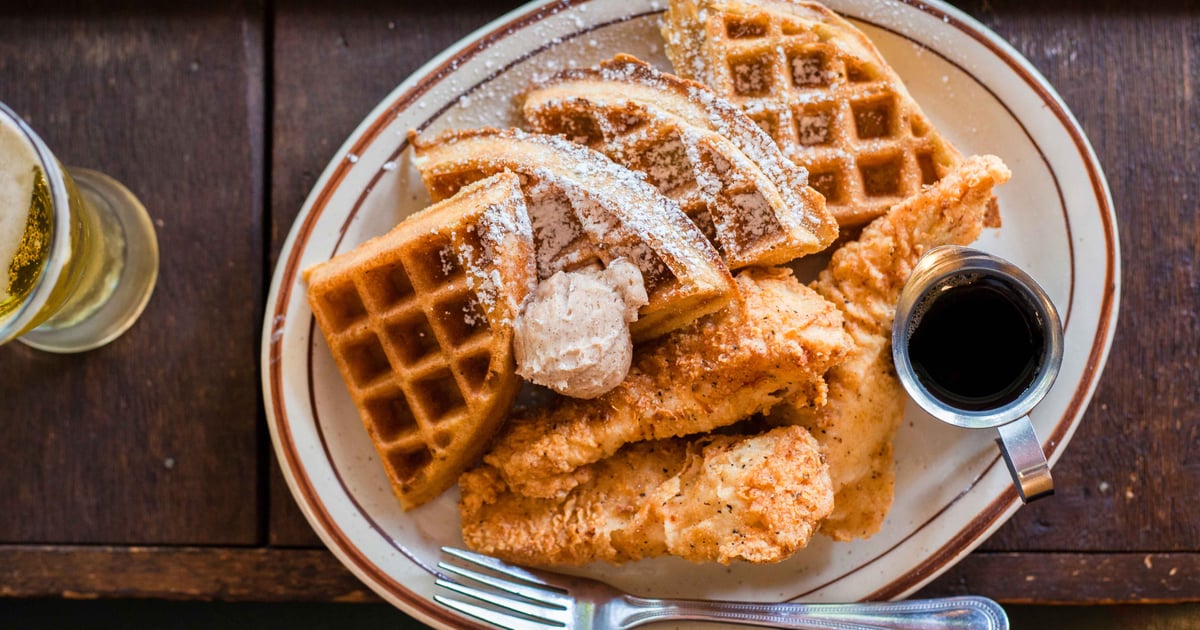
(958, 613)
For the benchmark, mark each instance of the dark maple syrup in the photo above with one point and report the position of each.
(976, 343)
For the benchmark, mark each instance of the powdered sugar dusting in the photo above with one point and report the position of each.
(583, 207)
(554, 225)
(678, 118)
(831, 67)
(500, 234)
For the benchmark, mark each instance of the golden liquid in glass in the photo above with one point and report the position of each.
(26, 265)
(88, 276)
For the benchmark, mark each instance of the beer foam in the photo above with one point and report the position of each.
(18, 164)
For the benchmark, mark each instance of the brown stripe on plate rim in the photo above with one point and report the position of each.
(354, 212)
(987, 515)
(288, 279)
(975, 527)
(940, 559)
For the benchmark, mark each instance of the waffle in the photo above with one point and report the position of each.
(726, 174)
(419, 322)
(585, 210)
(820, 88)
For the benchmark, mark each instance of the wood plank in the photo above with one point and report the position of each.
(1125, 481)
(1071, 578)
(277, 575)
(154, 438)
(334, 63)
(287, 525)
(227, 574)
(1119, 482)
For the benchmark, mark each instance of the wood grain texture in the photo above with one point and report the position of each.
(213, 573)
(287, 526)
(1127, 480)
(1124, 483)
(1071, 578)
(333, 64)
(153, 438)
(266, 574)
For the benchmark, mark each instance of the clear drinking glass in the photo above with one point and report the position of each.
(78, 257)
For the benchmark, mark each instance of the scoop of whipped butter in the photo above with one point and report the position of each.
(573, 332)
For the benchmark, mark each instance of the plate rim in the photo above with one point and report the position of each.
(429, 74)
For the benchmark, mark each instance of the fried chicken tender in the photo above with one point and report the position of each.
(709, 498)
(776, 342)
(865, 398)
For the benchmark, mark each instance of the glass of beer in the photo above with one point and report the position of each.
(78, 253)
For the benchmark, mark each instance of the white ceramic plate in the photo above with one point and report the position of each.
(952, 490)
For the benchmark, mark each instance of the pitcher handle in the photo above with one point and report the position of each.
(1026, 462)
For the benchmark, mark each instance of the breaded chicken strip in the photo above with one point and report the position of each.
(774, 343)
(866, 399)
(711, 498)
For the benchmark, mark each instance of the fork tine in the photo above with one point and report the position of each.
(534, 593)
(555, 615)
(499, 567)
(493, 617)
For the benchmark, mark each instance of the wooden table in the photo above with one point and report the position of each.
(144, 469)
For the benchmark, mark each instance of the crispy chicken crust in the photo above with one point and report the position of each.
(711, 498)
(865, 399)
(775, 343)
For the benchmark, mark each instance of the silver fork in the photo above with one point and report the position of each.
(529, 599)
